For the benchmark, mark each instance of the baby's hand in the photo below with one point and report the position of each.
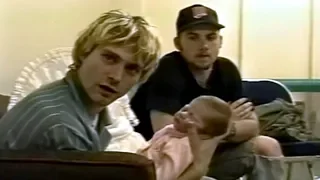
(182, 120)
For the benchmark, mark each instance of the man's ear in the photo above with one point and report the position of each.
(221, 41)
(177, 44)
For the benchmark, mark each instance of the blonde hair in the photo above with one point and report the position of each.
(120, 29)
(215, 114)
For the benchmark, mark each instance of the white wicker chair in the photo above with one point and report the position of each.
(52, 66)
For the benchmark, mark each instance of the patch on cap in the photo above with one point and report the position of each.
(199, 12)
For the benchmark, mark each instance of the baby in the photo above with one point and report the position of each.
(169, 148)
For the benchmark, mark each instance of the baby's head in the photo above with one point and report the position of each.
(214, 115)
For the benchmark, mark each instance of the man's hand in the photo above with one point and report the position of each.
(246, 124)
(241, 109)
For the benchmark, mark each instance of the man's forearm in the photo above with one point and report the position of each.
(245, 129)
(159, 120)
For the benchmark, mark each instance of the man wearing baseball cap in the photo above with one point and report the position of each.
(195, 70)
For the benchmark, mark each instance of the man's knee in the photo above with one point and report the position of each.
(267, 146)
(232, 161)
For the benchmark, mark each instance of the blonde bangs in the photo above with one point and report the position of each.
(121, 29)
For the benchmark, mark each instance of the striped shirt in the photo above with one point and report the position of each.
(54, 117)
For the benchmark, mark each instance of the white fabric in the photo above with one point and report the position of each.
(121, 108)
(46, 69)
(124, 138)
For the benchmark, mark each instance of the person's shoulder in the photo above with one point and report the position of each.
(170, 62)
(49, 92)
(170, 67)
(226, 66)
(170, 58)
(225, 62)
(37, 115)
(33, 107)
(52, 88)
(46, 100)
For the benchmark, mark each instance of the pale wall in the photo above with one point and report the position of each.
(275, 38)
(271, 40)
(316, 40)
(29, 28)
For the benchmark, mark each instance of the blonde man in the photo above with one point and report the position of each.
(111, 55)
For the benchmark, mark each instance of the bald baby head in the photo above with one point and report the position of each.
(213, 113)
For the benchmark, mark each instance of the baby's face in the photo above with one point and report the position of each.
(177, 125)
(198, 110)
(195, 113)
(193, 116)
(210, 116)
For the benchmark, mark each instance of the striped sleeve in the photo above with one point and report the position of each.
(60, 137)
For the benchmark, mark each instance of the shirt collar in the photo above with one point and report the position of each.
(84, 100)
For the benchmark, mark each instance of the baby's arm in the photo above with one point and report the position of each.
(202, 151)
(176, 157)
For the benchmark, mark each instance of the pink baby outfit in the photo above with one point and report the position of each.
(170, 150)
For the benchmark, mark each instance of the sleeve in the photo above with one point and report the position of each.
(60, 137)
(232, 80)
(165, 88)
(176, 157)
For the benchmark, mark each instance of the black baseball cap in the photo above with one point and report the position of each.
(195, 15)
